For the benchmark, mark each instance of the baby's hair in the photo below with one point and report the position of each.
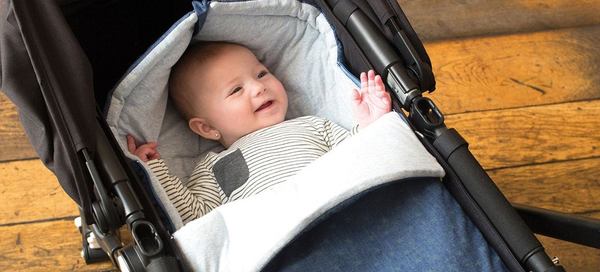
(181, 90)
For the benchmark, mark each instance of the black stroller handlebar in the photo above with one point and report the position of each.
(449, 146)
(381, 54)
(384, 58)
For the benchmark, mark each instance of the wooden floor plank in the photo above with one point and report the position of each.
(569, 187)
(30, 192)
(514, 137)
(444, 19)
(573, 257)
(14, 142)
(49, 246)
(516, 70)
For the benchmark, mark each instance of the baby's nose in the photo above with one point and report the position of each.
(258, 88)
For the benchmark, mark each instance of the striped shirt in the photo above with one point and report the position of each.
(251, 165)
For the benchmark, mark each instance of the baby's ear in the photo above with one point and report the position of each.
(201, 127)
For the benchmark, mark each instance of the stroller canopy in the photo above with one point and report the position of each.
(47, 75)
(59, 59)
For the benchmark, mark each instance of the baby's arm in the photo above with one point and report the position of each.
(372, 101)
(191, 203)
(201, 197)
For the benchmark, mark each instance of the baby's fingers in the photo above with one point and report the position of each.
(371, 76)
(131, 143)
(379, 82)
(154, 156)
(356, 97)
(364, 84)
(379, 87)
(151, 144)
(145, 153)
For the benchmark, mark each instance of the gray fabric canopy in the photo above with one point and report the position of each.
(48, 77)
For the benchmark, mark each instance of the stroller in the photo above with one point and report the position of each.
(52, 87)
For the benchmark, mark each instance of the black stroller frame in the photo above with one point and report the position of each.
(95, 173)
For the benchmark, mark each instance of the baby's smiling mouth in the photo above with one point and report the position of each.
(265, 105)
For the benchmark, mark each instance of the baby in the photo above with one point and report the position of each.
(227, 95)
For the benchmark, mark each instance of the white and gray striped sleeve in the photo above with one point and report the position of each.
(332, 132)
(193, 201)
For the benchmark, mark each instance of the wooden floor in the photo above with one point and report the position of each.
(519, 79)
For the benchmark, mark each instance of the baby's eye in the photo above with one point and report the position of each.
(262, 73)
(235, 90)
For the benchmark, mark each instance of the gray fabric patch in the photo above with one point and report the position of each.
(231, 172)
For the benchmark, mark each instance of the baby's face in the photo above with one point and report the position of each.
(239, 95)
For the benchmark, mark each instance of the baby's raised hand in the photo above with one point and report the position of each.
(372, 101)
(145, 151)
